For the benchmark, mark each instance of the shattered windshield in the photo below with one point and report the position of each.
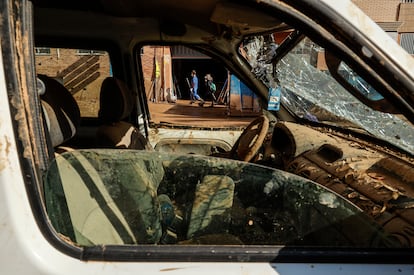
(309, 91)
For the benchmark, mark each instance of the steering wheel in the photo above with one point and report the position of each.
(249, 142)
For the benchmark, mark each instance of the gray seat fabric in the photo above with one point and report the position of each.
(61, 112)
(116, 104)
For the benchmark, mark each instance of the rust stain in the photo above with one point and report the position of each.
(5, 151)
(4, 147)
(20, 103)
(2, 161)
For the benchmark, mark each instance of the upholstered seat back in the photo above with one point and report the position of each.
(96, 198)
(61, 112)
(116, 104)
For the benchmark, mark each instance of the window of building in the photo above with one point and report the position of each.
(42, 51)
(90, 52)
(407, 42)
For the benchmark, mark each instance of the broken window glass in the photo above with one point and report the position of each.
(309, 91)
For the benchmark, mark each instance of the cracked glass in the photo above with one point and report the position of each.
(309, 91)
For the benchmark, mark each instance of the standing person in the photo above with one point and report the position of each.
(211, 88)
(194, 89)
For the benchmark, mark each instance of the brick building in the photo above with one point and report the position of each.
(396, 17)
(81, 71)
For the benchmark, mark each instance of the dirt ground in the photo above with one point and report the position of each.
(184, 113)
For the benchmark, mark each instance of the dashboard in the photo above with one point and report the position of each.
(376, 179)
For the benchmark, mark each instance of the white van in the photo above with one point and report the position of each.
(303, 162)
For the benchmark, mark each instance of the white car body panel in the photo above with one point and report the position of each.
(160, 136)
(366, 25)
(24, 249)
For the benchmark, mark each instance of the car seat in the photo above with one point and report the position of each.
(104, 197)
(95, 197)
(60, 110)
(116, 104)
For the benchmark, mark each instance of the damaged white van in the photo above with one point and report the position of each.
(319, 180)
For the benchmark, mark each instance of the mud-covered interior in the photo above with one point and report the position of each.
(376, 179)
(347, 176)
(139, 197)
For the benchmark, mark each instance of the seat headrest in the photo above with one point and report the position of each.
(116, 100)
(62, 114)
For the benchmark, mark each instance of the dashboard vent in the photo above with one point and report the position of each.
(329, 153)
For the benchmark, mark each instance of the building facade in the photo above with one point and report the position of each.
(396, 17)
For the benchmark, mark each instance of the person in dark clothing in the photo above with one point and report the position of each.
(211, 88)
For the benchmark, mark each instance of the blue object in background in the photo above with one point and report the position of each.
(274, 98)
(235, 85)
(239, 88)
(242, 100)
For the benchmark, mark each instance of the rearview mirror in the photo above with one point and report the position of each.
(357, 85)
